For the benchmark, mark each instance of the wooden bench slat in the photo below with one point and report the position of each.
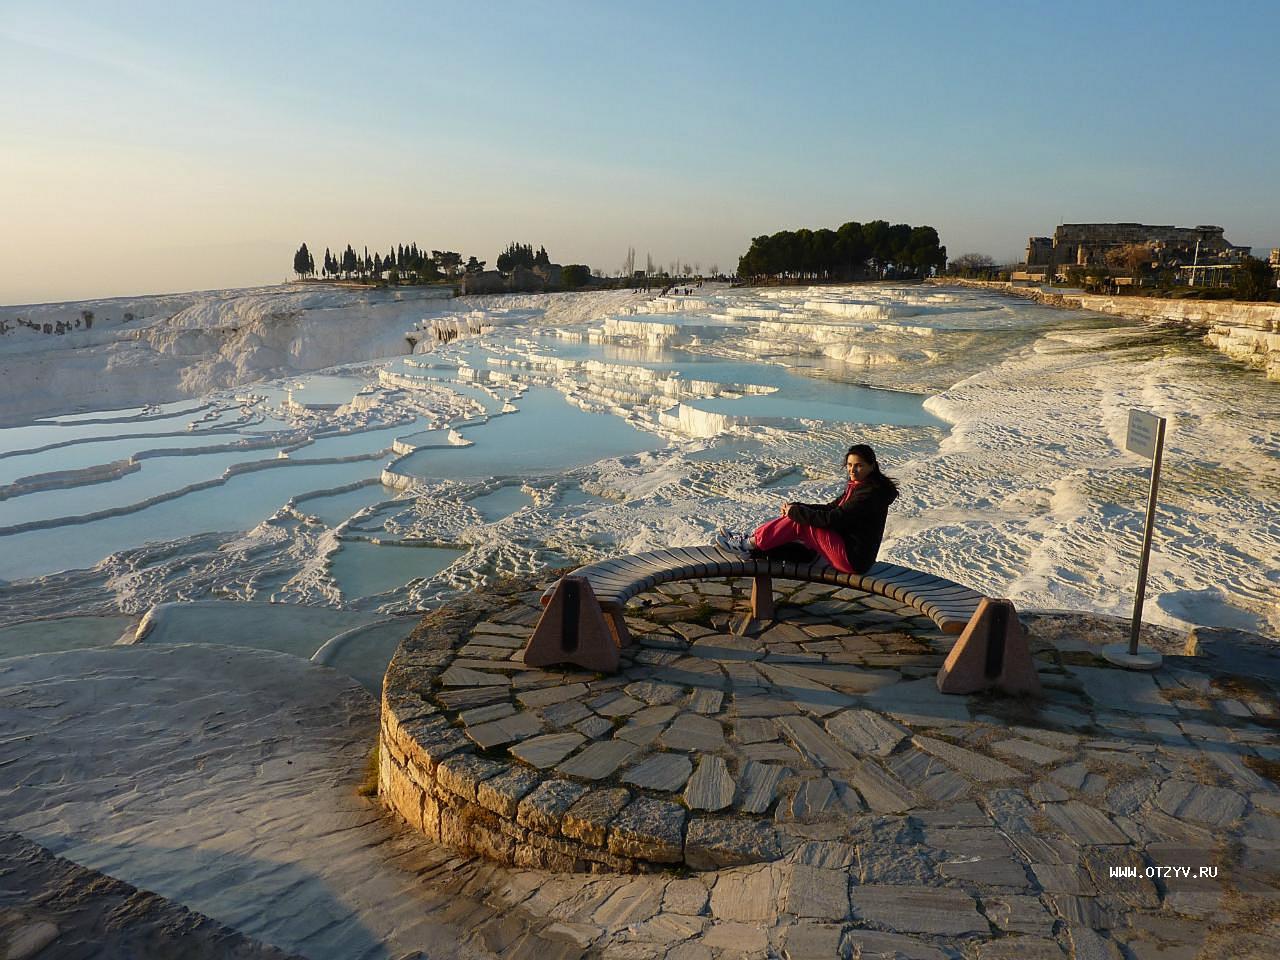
(952, 603)
(933, 611)
(657, 559)
(902, 588)
(712, 560)
(906, 578)
(944, 593)
(613, 580)
(946, 603)
(716, 559)
(688, 561)
(895, 578)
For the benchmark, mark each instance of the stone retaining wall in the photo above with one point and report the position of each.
(431, 774)
(1247, 332)
(475, 805)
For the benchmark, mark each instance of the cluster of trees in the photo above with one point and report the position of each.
(1255, 280)
(406, 262)
(574, 275)
(522, 255)
(850, 252)
(975, 266)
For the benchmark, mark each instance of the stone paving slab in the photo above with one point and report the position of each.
(549, 695)
(693, 732)
(866, 732)
(758, 785)
(1124, 691)
(598, 760)
(1202, 804)
(518, 726)
(548, 750)
(929, 776)
(1030, 751)
(973, 765)
(941, 911)
(807, 694)
(755, 730)
(1019, 913)
(814, 743)
(1084, 824)
(711, 787)
(662, 771)
(817, 893)
(882, 792)
(457, 676)
(918, 703)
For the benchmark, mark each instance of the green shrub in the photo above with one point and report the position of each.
(575, 275)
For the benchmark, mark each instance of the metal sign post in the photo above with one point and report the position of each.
(1145, 437)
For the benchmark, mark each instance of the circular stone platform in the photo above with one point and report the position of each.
(706, 749)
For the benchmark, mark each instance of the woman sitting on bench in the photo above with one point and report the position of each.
(847, 531)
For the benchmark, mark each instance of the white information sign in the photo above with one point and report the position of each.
(1141, 438)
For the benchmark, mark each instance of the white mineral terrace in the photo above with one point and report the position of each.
(526, 432)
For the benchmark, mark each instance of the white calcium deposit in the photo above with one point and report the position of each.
(628, 422)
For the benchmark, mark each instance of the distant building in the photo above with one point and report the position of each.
(1087, 244)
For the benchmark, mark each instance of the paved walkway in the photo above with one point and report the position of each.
(225, 780)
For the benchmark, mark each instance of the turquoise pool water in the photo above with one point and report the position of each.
(548, 435)
(241, 503)
(501, 503)
(364, 569)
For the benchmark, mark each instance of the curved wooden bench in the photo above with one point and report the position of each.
(613, 582)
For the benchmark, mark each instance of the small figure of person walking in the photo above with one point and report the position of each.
(847, 531)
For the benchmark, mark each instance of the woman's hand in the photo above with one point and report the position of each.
(786, 510)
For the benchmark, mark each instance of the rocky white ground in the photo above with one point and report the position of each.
(1014, 476)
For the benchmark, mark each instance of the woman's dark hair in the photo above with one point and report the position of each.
(864, 452)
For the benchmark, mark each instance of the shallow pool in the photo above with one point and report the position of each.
(65, 633)
(239, 504)
(326, 389)
(339, 507)
(364, 569)
(365, 655)
(548, 435)
(501, 503)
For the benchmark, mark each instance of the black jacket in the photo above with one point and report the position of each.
(859, 521)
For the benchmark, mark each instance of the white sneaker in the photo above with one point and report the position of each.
(735, 543)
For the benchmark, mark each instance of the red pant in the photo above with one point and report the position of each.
(784, 530)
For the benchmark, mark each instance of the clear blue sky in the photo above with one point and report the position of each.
(159, 146)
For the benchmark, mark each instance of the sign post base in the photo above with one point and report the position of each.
(1144, 659)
